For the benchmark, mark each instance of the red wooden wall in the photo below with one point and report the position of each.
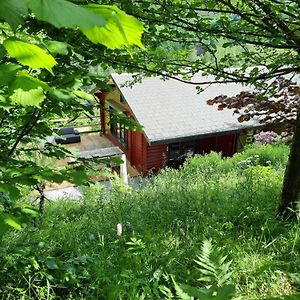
(147, 158)
(222, 143)
(137, 146)
(226, 144)
(144, 157)
(157, 157)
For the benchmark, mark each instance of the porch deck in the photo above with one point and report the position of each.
(90, 143)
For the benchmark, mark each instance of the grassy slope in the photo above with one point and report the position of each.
(232, 201)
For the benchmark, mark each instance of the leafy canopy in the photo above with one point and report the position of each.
(43, 75)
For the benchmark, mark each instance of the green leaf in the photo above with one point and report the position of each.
(120, 117)
(29, 211)
(166, 291)
(84, 95)
(28, 91)
(61, 13)
(195, 292)
(11, 190)
(3, 52)
(225, 292)
(31, 97)
(78, 177)
(29, 55)
(8, 73)
(12, 11)
(10, 221)
(295, 278)
(213, 267)
(34, 263)
(50, 175)
(121, 29)
(62, 94)
(51, 264)
(116, 160)
(56, 47)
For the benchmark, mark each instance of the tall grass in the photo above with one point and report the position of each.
(73, 252)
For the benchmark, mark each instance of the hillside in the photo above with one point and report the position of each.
(74, 252)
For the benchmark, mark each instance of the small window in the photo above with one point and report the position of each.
(178, 152)
(174, 151)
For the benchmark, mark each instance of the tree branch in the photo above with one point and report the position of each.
(25, 130)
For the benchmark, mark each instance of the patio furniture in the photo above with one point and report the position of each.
(68, 135)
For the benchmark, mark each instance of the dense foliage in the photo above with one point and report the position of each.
(74, 252)
(42, 77)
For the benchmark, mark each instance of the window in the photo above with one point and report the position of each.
(178, 152)
(118, 130)
(174, 151)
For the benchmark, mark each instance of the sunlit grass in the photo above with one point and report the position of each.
(231, 201)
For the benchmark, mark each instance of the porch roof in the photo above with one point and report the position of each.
(172, 111)
(100, 153)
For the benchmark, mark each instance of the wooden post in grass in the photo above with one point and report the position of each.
(123, 169)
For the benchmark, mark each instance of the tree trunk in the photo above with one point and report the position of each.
(287, 207)
(41, 190)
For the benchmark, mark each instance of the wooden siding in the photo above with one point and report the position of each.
(147, 159)
(226, 144)
(207, 145)
(136, 149)
(156, 157)
(223, 143)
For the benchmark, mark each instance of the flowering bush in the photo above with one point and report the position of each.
(266, 137)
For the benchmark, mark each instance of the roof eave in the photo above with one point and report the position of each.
(201, 136)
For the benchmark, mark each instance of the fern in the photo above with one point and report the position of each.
(212, 265)
(166, 292)
(214, 269)
(187, 292)
(181, 295)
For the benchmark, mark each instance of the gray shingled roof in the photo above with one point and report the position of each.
(171, 110)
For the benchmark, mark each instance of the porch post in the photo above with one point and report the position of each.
(123, 169)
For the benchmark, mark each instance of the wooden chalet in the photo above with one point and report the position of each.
(177, 122)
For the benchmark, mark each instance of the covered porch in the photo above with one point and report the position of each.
(98, 146)
(93, 143)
